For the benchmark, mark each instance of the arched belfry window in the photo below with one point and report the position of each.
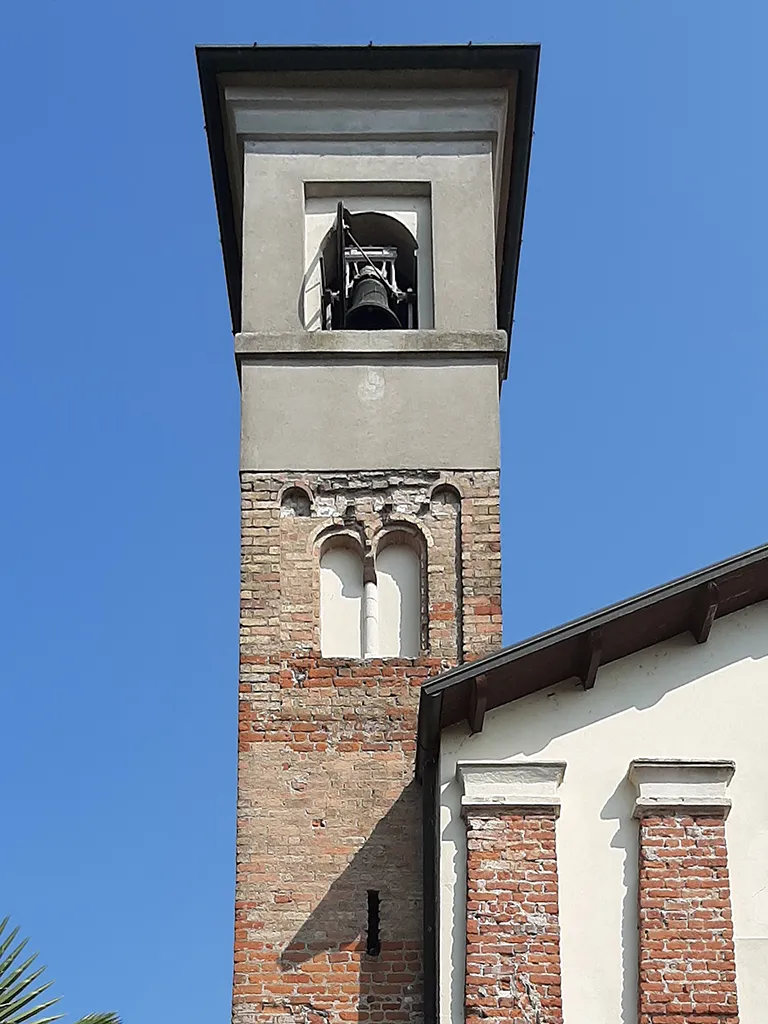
(341, 602)
(398, 575)
(368, 274)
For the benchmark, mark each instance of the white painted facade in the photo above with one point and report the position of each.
(673, 701)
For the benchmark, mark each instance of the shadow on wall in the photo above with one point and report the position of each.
(354, 963)
(663, 669)
(619, 808)
(529, 726)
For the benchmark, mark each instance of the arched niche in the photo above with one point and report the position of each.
(399, 577)
(445, 495)
(445, 506)
(295, 501)
(341, 598)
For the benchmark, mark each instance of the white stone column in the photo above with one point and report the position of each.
(370, 620)
(510, 784)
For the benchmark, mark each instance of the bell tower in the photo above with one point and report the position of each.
(370, 204)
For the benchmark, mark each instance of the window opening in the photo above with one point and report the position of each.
(368, 272)
(373, 938)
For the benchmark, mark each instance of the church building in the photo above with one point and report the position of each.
(430, 827)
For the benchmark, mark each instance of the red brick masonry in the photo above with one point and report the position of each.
(328, 809)
(687, 965)
(513, 932)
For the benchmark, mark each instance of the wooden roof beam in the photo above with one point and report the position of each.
(592, 661)
(478, 703)
(705, 613)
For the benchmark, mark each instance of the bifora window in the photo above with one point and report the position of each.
(371, 610)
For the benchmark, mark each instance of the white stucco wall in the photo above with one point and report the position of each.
(366, 412)
(676, 700)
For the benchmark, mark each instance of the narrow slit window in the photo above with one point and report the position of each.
(373, 938)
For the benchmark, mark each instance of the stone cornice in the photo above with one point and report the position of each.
(507, 785)
(681, 787)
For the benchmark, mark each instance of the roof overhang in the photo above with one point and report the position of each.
(576, 650)
(571, 652)
(512, 68)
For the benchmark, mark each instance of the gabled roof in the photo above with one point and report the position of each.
(577, 649)
(350, 66)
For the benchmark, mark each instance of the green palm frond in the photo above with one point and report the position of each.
(18, 995)
(17, 989)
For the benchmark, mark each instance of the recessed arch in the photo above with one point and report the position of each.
(404, 530)
(400, 553)
(341, 594)
(445, 494)
(338, 536)
(295, 501)
(445, 507)
(373, 247)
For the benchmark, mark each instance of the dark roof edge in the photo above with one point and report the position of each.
(229, 57)
(595, 619)
(208, 70)
(432, 695)
(213, 61)
(525, 107)
(432, 691)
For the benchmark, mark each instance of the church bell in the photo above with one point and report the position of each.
(369, 308)
(368, 274)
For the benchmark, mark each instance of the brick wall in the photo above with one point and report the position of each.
(687, 970)
(327, 810)
(513, 932)
(327, 805)
(280, 553)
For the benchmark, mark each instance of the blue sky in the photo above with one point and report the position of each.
(634, 417)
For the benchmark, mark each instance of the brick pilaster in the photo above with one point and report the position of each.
(513, 931)
(687, 969)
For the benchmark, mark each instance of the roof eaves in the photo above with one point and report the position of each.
(594, 620)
